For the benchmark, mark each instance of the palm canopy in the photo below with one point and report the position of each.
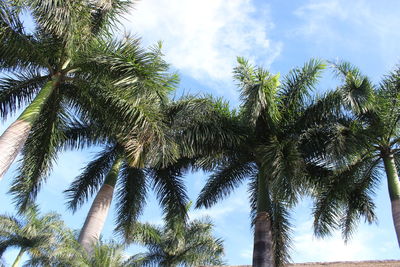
(62, 71)
(283, 154)
(369, 141)
(105, 254)
(177, 243)
(34, 234)
(90, 78)
(160, 169)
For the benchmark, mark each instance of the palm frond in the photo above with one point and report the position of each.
(298, 83)
(106, 14)
(170, 190)
(281, 232)
(223, 181)
(15, 92)
(346, 197)
(258, 92)
(39, 152)
(18, 50)
(131, 198)
(92, 177)
(357, 90)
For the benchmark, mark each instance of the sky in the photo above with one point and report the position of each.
(201, 40)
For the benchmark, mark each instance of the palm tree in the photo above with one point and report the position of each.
(367, 142)
(177, 243)
(109, 254)
(35, 235)
(112, 167)
(103, 77)
(69, 64)
(278, 156)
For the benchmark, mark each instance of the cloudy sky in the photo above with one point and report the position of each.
(201, 40)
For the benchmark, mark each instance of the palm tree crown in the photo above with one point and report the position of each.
(177, 243)
(38, 236)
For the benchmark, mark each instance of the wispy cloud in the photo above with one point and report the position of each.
(356, 25)
(235, 204)
(333, 248)
(203, 38)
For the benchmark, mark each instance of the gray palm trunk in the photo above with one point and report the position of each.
(14, 137)
(98, 212)
(394, 191)
(263, 255)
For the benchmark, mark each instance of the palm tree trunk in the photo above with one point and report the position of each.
(14, 137)
(18, 258)
(263, 255)
(394, 191)
(98, 212)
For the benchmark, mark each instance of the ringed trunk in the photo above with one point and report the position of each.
(18, 258)
(263, 255)
(394, 191)
(98, 212)
(14, 137)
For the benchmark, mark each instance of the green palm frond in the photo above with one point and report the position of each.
(357, 90)
(131, 197)
(281, 232)
(16, 92)
(298, 83)
(145, 234)
(345, 198)
(170, 190)
(70, 21)
(286, 166)
(224, 181)
(18, 50)
(86, 184)
(106, 15)
(39, 152)
(79, 135)
(258, 92)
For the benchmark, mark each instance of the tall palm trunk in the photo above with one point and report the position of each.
(263, 255)
(14, 137)
(98, 212)
(18, 258)
(394, 191)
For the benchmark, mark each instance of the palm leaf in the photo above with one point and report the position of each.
(131, 198)
(39, 152)
(224, 181)
(15, 92)
(87, 183)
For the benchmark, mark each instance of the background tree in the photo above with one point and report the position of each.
(35, 235)
(177, 243)
(366, 142)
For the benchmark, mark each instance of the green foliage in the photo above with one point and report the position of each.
(39, 236)
(177, 243)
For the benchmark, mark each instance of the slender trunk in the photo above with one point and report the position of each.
(18, 258)
(98, 212)
(14, 137)
(263, 255)
(394, 191)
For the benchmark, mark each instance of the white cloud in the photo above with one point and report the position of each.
(237, 203)
(308, 248)
(246, 254)
(203, 38)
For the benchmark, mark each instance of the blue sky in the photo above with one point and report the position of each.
(201, 40)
